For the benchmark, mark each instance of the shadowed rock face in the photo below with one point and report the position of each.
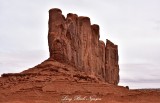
(73, 40)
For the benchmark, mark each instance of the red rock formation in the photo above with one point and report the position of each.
(111, 63)
(73, 40)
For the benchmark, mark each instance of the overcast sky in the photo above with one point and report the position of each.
(134, 25)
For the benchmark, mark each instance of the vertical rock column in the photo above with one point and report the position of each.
(111, 63)
(101, 60)
(56, 36)
(73, 39)
(97, 52)
(85, 33)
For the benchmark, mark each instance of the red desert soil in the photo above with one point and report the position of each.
(62, 83)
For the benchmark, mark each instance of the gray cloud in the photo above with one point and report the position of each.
(17, 61)
(140, 75)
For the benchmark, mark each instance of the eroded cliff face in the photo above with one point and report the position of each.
(73, 40)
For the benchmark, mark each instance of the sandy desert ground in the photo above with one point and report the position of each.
(66, 85)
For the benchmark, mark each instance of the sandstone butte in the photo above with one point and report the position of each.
(73, 40)
(80, 67)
